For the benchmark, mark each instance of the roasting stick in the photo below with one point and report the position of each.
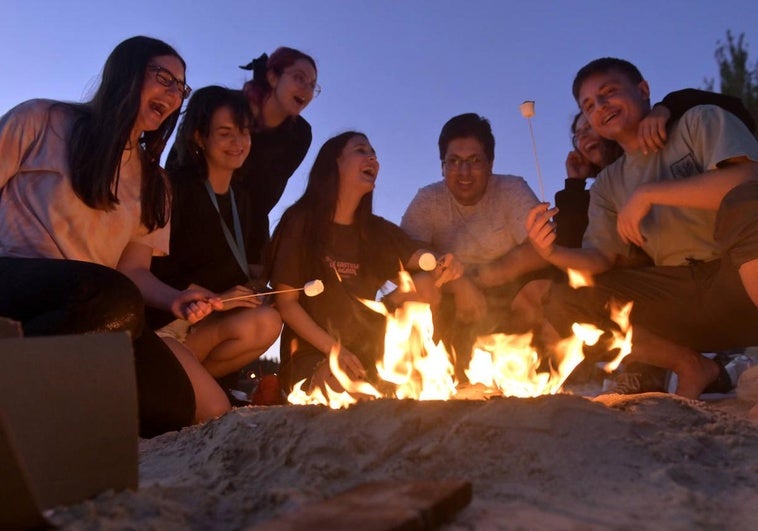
(527, 111)
(311, 289)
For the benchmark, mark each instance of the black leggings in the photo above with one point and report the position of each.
(58, 297)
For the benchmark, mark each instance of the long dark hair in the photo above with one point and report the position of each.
(101, 133)
(258, 89)
(318, 204)
(190, 159)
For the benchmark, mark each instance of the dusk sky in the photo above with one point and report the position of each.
(396, 70)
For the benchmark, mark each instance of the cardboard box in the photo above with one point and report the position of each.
(69, 420)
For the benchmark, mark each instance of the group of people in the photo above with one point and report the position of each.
(95, 236)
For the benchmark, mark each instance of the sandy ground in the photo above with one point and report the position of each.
(650, 461)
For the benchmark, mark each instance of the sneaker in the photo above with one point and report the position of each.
(640, 381)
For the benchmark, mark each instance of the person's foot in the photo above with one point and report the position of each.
(696, 377)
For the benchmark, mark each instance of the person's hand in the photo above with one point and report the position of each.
(541, 229)
(470, 303)
(578, 167)
(323, 376)
(240, 291)
(630, 217)
(651, 133)
(448, 269)
(194, 304)
(347, 362)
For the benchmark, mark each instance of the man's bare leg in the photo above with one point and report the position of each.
(695, 371)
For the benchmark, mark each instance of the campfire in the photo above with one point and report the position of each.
(417, 367)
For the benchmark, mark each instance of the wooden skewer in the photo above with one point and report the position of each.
(527, 111)
(315, 284)
(253, 295)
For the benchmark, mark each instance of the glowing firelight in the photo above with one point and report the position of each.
(578, 279)
(416, 367)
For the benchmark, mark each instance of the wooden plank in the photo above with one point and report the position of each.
(380, 506)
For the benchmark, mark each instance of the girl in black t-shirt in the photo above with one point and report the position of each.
(209, 242)
(330, 233)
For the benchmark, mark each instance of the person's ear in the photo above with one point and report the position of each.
(272, 78)
(198, 140)
(644, 89)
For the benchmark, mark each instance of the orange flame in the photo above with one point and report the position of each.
(579, 279)
(421, 369)
(621, 339)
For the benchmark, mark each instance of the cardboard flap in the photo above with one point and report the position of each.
(70, 408)
(18, 508)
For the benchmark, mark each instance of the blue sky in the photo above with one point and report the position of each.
(396, 70)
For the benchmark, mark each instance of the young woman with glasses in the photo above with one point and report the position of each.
(281, 88)
(82, 193)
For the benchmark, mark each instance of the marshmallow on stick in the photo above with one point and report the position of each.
(527, 111)
(427, 262)
(311, 289)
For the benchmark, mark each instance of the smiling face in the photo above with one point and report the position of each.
(589, 143)
(358, 167)
(294, 89)
(614, 106)
(157, 101)
(227, 146)
(466, 169)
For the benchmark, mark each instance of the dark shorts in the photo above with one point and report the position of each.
(702, 305)
(459, 337)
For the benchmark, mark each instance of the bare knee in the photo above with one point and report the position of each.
(268, 324)
(749, 276)
(529, 298)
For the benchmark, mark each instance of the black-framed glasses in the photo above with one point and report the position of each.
(302, 81)
(167, 79)
(474, 162)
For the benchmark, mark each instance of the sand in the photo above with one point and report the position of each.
(649, 461)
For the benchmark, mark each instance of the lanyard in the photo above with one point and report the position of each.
(237, 245)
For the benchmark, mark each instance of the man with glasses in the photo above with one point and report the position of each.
(480, 217)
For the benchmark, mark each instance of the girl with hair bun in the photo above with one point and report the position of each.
(282, 86)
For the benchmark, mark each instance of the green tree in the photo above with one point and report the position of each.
(737, 76)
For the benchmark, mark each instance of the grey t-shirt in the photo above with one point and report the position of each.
(477, 233)
(703, 138)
